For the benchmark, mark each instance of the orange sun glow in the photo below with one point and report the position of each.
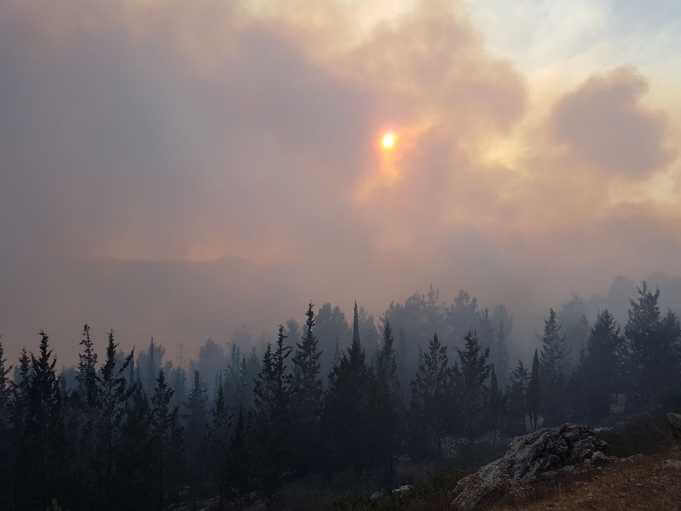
(388, 140)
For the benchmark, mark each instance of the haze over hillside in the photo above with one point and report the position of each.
(181, 169)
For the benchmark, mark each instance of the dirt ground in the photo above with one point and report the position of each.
(640, 482)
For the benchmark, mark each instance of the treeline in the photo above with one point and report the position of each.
(114, 439)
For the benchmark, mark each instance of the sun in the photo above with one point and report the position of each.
(388, 140)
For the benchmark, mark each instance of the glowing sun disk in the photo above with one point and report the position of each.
(388, 140)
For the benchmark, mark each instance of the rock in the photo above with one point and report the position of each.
(539, 455)
(376, 495)
(674, 420)
(672, 464)
(405, 488)
(598, 459)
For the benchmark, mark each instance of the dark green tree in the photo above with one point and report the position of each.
(653, 342)
(516, 403)
(534, 393)
(196, 425)
(475, 371)
(112, 396)
(553, 370)
(346, 411)
(273, 415)
(164, 442)
(386, 407)
(306, 397)
(430, 391)
(601, 369)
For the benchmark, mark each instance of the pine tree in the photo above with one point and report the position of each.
(653, 342)
(496, 402)
(43, 424)
(429, 392)
(196, 438)
(273, 414)
(534, 393)
(600, 370)
(87, 370)
(112, 393)
(219, 441)
(162, 425)
(517, 399)
(136, 456)
(307, 391)
(7, 449)
(346, 410)
(475, 370)
(386, 406)
(553, 367)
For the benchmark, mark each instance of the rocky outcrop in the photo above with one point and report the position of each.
(539, 455)
(674, 420)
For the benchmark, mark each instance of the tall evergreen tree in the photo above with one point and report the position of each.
(517, 399)
(534, 392)
(496, 403)
(112, 393)
(653, 342)
(346, 410)
(273, 415)
(475, 370)
(196, 437)
(553, 368)
(6, 444)
(163, 429)
(600, 371)
(306, 389)
(44, 427)
(386, 406)
(430, 390)
(87, 370)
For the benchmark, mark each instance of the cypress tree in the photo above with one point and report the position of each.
(534, 392)
(112, 393)
(386, 406)
(553, 365)
(273, 414)
(346, 414)
(429, 392)
(517, 399)
(653, 342)
(306, 392)
(475, 370)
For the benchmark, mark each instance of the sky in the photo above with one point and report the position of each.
(180, 169)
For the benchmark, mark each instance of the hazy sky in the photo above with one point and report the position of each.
(537, 155)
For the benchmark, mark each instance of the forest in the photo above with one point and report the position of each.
(322, 405)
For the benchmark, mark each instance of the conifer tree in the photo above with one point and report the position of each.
(87, 370)
(163, 419)
(346, 410)
(653, 342)
(386, 406)
(475, 370)
(307, 391)
(43, 423)
(6, 445)
(496, 402)
(600, 370)
(273, 414)
(430, 390)
(517, 399)
(196, 437)
(534, 392)
(553, 366)
(112, 394)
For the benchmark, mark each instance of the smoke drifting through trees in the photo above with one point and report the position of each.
(130, 432)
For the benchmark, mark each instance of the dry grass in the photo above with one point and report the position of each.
(640, 483)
